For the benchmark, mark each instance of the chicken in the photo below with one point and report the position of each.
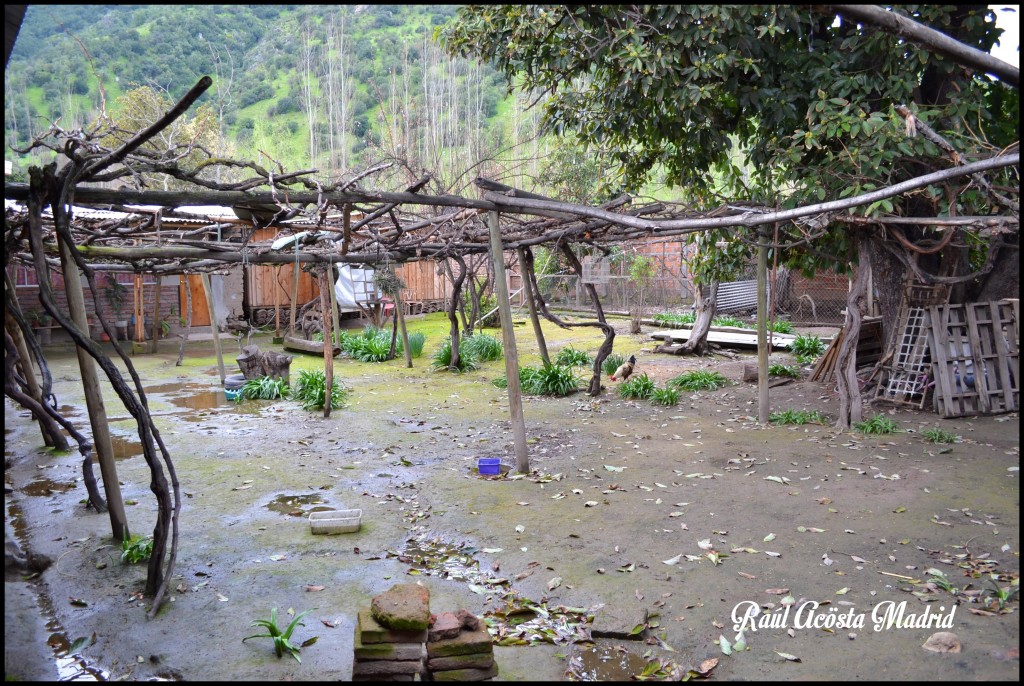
(625, 369)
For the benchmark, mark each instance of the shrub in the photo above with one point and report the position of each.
(311, 390)
(796, 417)
(484, 347)
(807, 346)
(939, 436)
(263, 388)
(282, 639)
(136, 549)
(571, 357)
(782, 326)
(611, 363)
(637, 387)
(552, 379)
(669, 318)
(878, 424)
(442, 357)
(665, 396)
(416, 341)
(697, 380)
(726, 320)
(783, 370)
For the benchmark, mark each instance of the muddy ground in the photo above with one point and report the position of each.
(626, 511)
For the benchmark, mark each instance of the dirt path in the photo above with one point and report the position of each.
(625, 513)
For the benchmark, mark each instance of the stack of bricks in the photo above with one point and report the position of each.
(390, 636)
(459, 648)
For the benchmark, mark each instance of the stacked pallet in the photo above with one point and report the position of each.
(459, 648)
(869, 349)
(391, 635)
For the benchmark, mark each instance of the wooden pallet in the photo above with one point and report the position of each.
(869, 349)
(907, 379)
(975, 357)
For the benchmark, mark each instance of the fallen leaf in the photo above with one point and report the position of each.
(705, 544)
(315, 588)
(554, 583)
(791, 658)
(723, 643)
(769, 537)
(673, 560)
(591, 503)
(777, 591)
(942, 642)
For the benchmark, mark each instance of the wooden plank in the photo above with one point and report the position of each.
(1006, 361)
(939, 344)
(977, 358)
(725, 335)
(296, 344)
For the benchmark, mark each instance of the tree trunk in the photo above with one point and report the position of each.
(846, 362)
(452, 318)
(698, 342)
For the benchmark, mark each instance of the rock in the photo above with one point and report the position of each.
(405, 607)
(444, 625)
(471, 661)
(466, 674)
(468, 620)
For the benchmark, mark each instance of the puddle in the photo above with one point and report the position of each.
(123, 448)
(605, 663)
(292, 505)
(204, 400)
(46, 487)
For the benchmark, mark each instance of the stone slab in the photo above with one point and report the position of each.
(466, 674)
(372, 632)
(471, 661)
(386, 667)
(466, 642)
(388, 651)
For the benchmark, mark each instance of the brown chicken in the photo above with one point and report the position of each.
(625, 369)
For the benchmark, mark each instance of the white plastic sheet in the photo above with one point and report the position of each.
(355, 285)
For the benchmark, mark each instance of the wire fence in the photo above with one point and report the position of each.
(820, 301)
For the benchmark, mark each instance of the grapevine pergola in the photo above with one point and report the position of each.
(393, 228)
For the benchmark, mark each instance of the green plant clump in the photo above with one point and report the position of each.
(641, 387)
(282, 639)
(783, 370)
(571, 357)
(726, 320)
(263, 388)
(553, 379)
(311, 390)
(416, 341)
(483, 346)
(697, 380)
(939, 435)
(797, 417)
(782, 326)
(665, 396)
(135, 549)
(878, 424)
(611, 363)
(807, 346)
(668, 318)
(442, 357)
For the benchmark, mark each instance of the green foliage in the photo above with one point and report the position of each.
(878, 424)
(442, 357)
(282, 639)
(416, 341)
(783, 370)
(135, 549)
(665, 396)
(781, 326)
(807, 346)
(484, 347)
(571, 357)
(671, 319)
(697, 380)
(727, 320)
(311, 390)
(641, 387)
(936, 435)
(611, 363)
(797, 417)
(553, 379)
(263, 388)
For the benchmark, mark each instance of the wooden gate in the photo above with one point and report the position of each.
(200, 312)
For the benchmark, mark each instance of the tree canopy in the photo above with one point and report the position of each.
(774, 104)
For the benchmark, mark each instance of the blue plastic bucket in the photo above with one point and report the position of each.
(232, 394)
(489, 466)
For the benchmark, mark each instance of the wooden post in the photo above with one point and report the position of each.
(156, 317)
(400, 314)
(94, 397)
(140, 326)
(335, 315)
(295, 292)
(208, 291)
(277, 302)
(762, 324)
(532, 305)
(328, 343)
(515, 399)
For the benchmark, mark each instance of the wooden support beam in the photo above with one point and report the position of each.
(208, 291)
(156, 317)
(400, 315)
(94, 398)
(515, 399)
(762, 324)
(328, 342)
